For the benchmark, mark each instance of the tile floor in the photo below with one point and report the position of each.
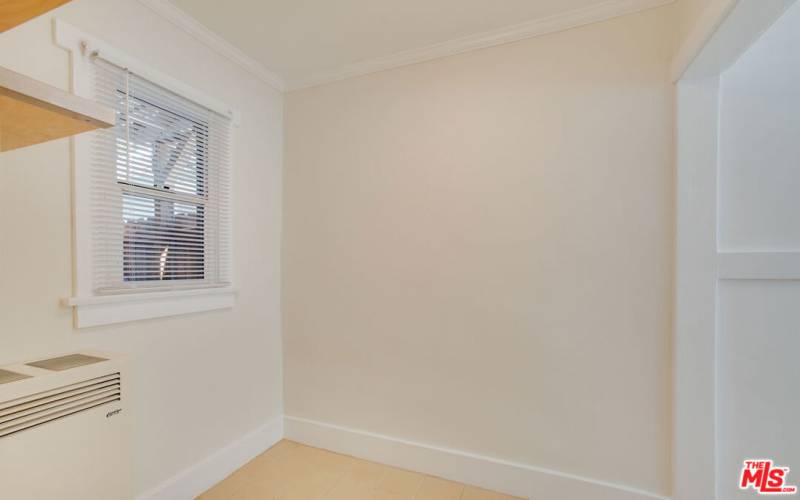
(291, 471)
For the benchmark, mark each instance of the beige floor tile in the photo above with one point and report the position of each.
(359, 482)
(434, 488)
(473, 493)
(270, 464)
(402, 482)
(280, 450)
(269, 485)
(292, 477)
(347, 489)
(224, 490)
(385, 495)
(296, 468)
(260, 470)
(367, 472)
(291, 471)
(313, 488)
(275, 478)
(260, 491)
(237, 495)
(323, 459)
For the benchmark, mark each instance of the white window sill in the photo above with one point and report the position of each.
(110, 309)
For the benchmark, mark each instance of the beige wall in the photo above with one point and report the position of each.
(201, 380)
(478, 251)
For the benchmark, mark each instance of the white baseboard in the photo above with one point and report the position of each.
(499, 475)
(487, 472)
(198, 478)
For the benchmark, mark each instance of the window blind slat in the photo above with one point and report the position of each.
(160, 189)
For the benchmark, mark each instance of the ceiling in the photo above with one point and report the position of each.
(305, 42)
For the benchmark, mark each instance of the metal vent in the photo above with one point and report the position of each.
(37, 409)
(66, 362)
(8, 376)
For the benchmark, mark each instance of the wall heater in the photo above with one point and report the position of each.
(65, 429)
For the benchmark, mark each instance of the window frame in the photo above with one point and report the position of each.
(91, 308)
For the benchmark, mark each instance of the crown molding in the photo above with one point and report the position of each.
(181, 19)
(723, 32)
(536, 27)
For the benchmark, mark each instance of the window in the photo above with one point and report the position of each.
(159, 202)
(151, 195)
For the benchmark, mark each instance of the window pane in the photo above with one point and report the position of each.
(160, 189)
(160, 148)
(162, 239)
(162, 151)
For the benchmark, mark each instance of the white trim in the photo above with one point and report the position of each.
(536, 27)
(191, 482)
(146, 296)
(487, 472)
(91, 309)
(192, 26)
(694, 349)
(759, 265)
(107, 310)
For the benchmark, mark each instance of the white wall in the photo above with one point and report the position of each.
(201, 380)
(478, 251)
(758, 205)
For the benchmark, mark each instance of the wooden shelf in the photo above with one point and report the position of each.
(14, 12)
(32, 112)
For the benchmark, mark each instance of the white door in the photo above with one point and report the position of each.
(758, 301)
(737, 328)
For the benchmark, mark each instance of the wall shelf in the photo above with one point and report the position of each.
(32, 112)
(14, 12)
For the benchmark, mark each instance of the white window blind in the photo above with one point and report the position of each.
(160, 189)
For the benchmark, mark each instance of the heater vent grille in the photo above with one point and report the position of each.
(37, 409)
